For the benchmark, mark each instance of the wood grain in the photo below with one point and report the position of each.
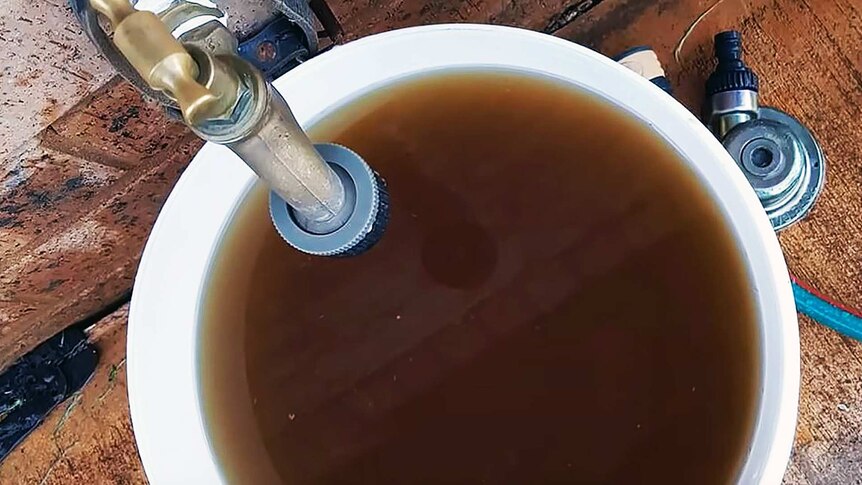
(828, 438)
(64, 275)
(47, 65)
(76, 208)
(364, 17)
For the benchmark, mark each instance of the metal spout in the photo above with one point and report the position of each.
(262, 131)
(279, 151)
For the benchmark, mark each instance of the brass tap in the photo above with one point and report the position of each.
(162, 61)
(333, 206)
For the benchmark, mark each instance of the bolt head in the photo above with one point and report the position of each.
(266, 51)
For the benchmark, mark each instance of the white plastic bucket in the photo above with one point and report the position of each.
(162, 349)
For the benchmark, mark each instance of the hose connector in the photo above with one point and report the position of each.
(778, 155)
(732, 89)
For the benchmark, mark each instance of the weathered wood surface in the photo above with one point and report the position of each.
(76, 206)
(84, 194)
(46, 66)
(85, 165)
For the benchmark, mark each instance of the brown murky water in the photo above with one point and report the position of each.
(555, 300)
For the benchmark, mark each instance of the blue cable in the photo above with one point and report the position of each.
(826, 313)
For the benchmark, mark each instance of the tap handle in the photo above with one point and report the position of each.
(159, 58)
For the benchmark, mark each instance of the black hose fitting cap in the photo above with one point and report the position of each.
(731, 73)
(381, 221)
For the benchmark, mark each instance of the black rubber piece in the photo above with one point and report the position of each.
(39, 381)
(663, 83)
(381, 221)
(731, 73)
(634, 50)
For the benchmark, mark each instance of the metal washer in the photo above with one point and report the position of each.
(785, 201)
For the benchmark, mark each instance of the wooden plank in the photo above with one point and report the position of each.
(76, 198)
(47, 186)
(48, 66)
(116, 128)
(65, 275)
(828, 438)
(76, 209)
(364, 17)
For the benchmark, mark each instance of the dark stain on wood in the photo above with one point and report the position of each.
(119, 122)
(569, 14)
(613, 18)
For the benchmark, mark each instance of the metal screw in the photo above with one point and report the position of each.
(266, 51)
